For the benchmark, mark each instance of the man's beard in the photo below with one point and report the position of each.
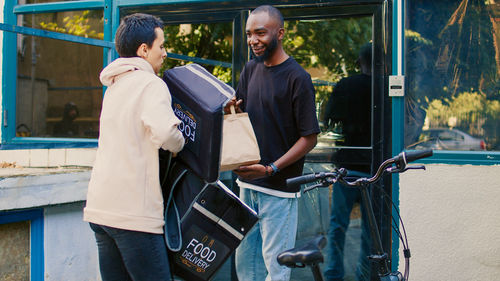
(270, 48)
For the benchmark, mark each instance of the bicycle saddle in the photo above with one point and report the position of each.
(307, 254)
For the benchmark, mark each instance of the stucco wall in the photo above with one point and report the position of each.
(69, 245)
(451, 214)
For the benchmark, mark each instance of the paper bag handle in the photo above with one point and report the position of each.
(233, 110)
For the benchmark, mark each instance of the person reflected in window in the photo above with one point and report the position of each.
(350, 106)
(67, 127)
(278, 95)
(124, 199)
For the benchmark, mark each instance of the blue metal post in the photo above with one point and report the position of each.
(9, 70)
(397, 112)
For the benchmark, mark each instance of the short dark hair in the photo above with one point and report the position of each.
(134, 30)
(272, 12)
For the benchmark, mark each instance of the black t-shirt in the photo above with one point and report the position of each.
(280, 102)
(350, 103)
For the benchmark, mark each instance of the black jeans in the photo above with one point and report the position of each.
(131, 255)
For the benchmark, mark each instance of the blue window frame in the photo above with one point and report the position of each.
(11, 140)
(35, 217)
(11, 137)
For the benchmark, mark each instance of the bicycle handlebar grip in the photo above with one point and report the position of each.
(297, 181)
(419, 154)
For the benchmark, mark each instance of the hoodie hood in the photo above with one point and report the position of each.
(121, 66)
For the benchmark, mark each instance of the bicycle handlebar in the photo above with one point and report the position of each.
(411, 156)
(297, 181)
(401, 161)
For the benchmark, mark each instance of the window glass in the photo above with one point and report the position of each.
(211, 41)
(58, 89)
(329, 49)
(452, 73)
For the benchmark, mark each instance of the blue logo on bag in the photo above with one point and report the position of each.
(189, 125)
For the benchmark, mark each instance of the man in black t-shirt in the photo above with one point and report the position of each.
(350, 106)
(279, 97)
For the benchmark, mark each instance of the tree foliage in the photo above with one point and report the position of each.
(470, 111)
(332, 44)
(79, 23)
(453, 63)
(451, 48)
(209, 41)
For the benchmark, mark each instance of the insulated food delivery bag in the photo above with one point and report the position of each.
(198, 99)
(204, 223)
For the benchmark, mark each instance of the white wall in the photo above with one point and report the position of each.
(69, 245)
(452, 218)
(50, 157)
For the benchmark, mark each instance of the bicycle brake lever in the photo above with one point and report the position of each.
(415, 167)
(311, 187)
(393, 170)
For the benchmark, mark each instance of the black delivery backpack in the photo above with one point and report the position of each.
(198, 99)
(204, 220)
(204, 223)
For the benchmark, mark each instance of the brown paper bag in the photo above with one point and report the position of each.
(239, 144)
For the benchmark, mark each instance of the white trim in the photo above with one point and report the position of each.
(206, 77)
(218, 220)
(267, 191)
(228, 191)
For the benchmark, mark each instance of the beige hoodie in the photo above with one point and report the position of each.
(136, 120)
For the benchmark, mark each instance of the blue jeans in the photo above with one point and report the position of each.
(131, 255)
(343, 199)
(274, 233)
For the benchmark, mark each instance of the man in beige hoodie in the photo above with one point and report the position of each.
(124, 201)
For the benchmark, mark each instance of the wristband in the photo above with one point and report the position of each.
(275, 169)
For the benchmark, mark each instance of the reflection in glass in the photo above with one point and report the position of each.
(211, 41)
(453, 71)
(329, 50)
(58, 89)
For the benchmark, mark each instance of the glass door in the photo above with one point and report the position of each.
(344, 51)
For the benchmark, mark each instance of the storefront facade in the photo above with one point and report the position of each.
(435, 84)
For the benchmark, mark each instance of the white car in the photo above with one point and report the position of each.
(448, 139)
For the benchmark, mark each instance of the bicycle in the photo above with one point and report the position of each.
(310, 254)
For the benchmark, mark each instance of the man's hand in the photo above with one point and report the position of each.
(251, 172)
(236, 103)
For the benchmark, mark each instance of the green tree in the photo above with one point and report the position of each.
(209, 41)
(451, 49)
(453, 65)
(329, 44)
(332, 43)
(76, 24)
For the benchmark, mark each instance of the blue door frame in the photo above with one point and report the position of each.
(35, 217)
